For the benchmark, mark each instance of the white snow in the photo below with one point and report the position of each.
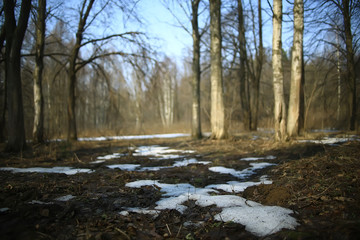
(259, 219)
(64, 198)
(243, 173)
(270, 157)
(332, 140)
(66, 170)
(4, 209)
(110, 156)
(154, 213)
(187, 162)
(135, 137)
(235, 186)
(126, 167)
(40, 202)
(157, 151)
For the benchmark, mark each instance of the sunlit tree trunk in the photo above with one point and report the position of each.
(14, 39)
(244, 82)
(218, 125)
(38, 128)
(278, 79)
(294, 114)
(196, 120)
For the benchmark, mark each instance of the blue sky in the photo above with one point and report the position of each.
(173, 40)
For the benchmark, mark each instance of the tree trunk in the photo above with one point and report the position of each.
(244, 81)
(278, 79)
(14, 39)
(38, 129)
(294, 118)
(255, 93)
(218, 125)
(196, 119)
(350, 62)
(3, 114)
(71, 107)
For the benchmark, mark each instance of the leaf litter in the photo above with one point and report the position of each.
(309, 185)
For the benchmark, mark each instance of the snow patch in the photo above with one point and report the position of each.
(270, 157)
(243, 173)
(65, 198)
(259, 219)
(5, 209)
(135, 137)
(65, 170)
(126, 167)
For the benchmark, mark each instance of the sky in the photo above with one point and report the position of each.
(174, 40)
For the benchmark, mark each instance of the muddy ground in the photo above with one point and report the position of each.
(321, 183)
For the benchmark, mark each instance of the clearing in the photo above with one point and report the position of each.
(168, 186)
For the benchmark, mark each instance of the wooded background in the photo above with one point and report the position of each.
(100, 82)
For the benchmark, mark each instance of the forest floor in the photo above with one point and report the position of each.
(319, 183)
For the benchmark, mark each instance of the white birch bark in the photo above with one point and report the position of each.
(293, 124)
(218, 125)
(278, 79)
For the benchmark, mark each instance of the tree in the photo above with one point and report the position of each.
(218, 125)
(278, 79)
(38, 129)
(195, 66)
(294, 113)
(347, 7)
(244, 82)
(75, 61)
(256, 69)
(15, 32)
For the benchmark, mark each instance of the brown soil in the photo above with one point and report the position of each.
(321, 183)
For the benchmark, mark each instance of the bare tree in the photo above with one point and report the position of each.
(15, 32)
(76, 63)
(278, 79)
(244, 81)
(196, 107)
(294, 114)
(218, 124)
(38, 129)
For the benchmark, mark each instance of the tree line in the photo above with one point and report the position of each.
(67, 70)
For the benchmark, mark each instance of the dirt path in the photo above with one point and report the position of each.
(319, 183)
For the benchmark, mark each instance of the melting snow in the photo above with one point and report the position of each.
(126, 167)
(5, 209)
(135, 137)
(270, 157)
(235, 186)
(65, 198)
(66, 170)
(187, 162)
(332, 140)
(243, 173)
(258, 219)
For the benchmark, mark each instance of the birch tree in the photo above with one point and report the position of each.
(15, 32)
(278, 79)
(38, 127)
(218, 125)
(294, 113)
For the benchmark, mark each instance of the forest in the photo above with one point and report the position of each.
(252, 133)
(79, 75)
